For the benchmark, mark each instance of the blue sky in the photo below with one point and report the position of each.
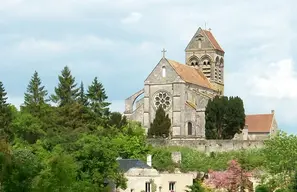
(120, 42)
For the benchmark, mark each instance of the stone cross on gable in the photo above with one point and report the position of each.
(164, 51)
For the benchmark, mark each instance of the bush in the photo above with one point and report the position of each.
(193, 160)
(262, 188)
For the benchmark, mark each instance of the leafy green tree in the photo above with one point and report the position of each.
(5, 159)
(161, 124)
(5, 115)
(24, 167)
(82, 98)
(35, 95)
(293, 186)
(59, 173)
(28, 127)
(117, 120)
(262, 188)
(97, 98)
(224, 117)
(97, 157)
(195, 187)
(66, 92)
(281, 154)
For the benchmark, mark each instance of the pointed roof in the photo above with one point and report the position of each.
(259, 123)
(210, 37)
(190, 74)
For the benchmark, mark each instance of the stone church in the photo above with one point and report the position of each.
(183, 90)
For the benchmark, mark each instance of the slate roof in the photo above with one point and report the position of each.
(126, 164)
(260, 123)
(190, 74)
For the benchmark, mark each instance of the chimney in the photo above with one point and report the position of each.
(272, 111)
(149, 160)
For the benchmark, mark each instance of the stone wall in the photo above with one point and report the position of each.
(208, 146)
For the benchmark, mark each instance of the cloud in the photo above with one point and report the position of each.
(275, 81)
(133, 17)
(267, 86)
(121, 41)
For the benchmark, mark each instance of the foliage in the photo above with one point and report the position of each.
(97, 98)
(262, 188)
(161, 124)
(224, 117)
(5, 115)
(24, 167)
(195, 187)
(193, 160)
(232, 179)
(117, 120)
(293, 183)
(281, 153)
(66, 92)
(82, 98)
(35, 95)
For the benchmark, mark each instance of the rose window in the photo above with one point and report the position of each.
(162, 99)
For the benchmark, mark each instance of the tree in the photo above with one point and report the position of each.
(97, 97)
(5, 115)
(280, 154)
(24, 167)
(262, 188)
(82, 98)
(224, 117)
(66, 92)
(232, 179)
(117, 120)
(195, 187)
(35, 96)
(161, 124)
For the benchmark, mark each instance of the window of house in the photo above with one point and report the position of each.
(163, 71)
(171, 186)
(190, 128)
(147, 187)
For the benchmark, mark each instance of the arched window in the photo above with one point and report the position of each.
(163, 71)
(190, 128)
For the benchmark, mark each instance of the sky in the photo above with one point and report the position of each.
(120, 42)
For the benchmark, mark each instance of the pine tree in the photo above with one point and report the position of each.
(5, 114)
(161, 124)
(82, 98)
(97, 98)
(35, 96)
(66, 92)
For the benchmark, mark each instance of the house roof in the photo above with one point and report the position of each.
(190, 74)
(213, 40)
(126, 164)
(260, 123)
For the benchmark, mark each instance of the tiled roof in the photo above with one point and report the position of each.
(190, 74)
(213, 40)
(126, 164)
(260, 123)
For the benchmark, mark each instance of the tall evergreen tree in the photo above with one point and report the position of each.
(5, 114)
(224, 117)
(161, 124)
(35, 96)
(66, 92)
(97, 98)
(82, 98)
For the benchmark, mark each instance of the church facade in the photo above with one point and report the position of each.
(183, 90)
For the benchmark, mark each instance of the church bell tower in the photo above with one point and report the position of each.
(204, 53)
